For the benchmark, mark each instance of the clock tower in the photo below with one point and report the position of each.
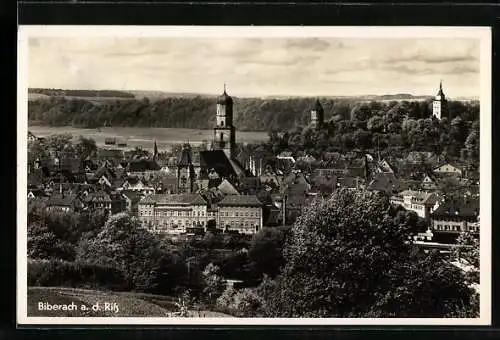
(224, 132)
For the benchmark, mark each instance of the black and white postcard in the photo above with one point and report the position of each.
(254, 175)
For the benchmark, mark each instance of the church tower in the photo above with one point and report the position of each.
(440, 104)
(317, 115)
(185, 171)
(224, 131)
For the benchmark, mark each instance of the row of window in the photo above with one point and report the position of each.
(174, 224)
(181, 213)
(239, 214)
(242, 223)
(447, 227)
(149, 212)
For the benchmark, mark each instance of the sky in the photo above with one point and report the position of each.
(258, 66)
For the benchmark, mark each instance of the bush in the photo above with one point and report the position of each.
(244, 302)
(73, 274)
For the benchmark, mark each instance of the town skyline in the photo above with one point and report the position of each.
(259, 67)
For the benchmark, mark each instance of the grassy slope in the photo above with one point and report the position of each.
(130, 304)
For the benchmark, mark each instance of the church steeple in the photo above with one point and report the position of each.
(224, 131)
(185, 170)
(440, 92)
(440, 104)
(155, 151)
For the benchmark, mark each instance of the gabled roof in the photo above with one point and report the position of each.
(98, 197)
(385, 166)
(420, 196)
(227, 188)
(446, 164)
(107, 171)
(467, 209)
(285, 154)
(306, 159)
(218, 160)
(135, 180)
(386, 182)
(240, 201)
(142, 165)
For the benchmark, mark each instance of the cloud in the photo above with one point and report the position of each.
(429, 59)
(312, 44)
(258, 66)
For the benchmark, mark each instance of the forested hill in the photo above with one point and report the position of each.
(198, 112)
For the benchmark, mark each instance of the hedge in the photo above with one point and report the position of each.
(50, 273)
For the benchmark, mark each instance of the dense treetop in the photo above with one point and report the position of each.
(350, 256)
(251, 114)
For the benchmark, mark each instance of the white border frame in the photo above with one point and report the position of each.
(481, 33)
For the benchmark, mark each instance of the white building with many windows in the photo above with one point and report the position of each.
(421, 202)
(173, 214)
(177, 214)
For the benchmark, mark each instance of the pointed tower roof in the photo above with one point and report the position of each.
(155, 148)
(317, 105)
(224, 98)
(185, 158)
(440, 92)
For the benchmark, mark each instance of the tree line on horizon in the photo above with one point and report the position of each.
(250, 114)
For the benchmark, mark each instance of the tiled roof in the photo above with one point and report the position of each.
(240, 200)
(419, 196)
(106, 171)
(384, 182)
(457, 208)
(143, 165)
(98, 197)
(174, 199)
(134, 180)
(110, 153)
(217, 160)
(65, 200)
(286, 154)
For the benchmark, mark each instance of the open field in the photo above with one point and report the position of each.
(120, 304)
(145, 137)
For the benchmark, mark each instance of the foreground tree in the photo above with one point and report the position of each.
(350, 256)
(124, 245)
(214, 284)
(266, 252)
